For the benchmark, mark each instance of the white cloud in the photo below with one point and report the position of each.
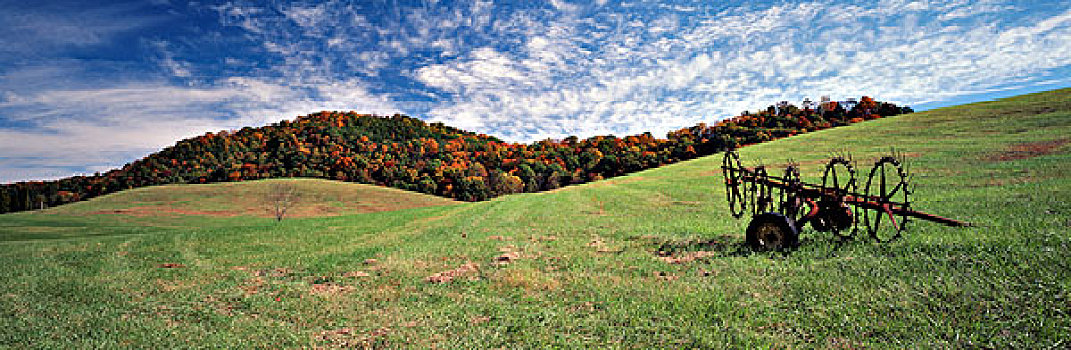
(555, 69)
(564, 6)
(100, 128)
(306, 16)
(732, 62)
(105, 127)
(166, 60)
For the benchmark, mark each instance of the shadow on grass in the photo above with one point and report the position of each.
(726, 246)
(721, 246)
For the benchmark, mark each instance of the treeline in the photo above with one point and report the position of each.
(407, 153)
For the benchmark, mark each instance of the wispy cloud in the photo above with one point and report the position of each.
(39, 28)
(735, 60)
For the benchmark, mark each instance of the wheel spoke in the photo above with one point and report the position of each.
(896, 189)
(836, 183)
(877, 223)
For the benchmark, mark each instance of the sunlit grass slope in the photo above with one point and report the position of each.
(225, 204)
(586, 266)
(315, 197)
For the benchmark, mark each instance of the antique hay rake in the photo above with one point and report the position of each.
(781, 205)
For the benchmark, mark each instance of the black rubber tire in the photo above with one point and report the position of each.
(772, 231)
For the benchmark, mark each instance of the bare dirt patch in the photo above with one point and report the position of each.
(601, 246)
(1027, 150)
(525, 279)
(668, 277)
(356, 274)
(689, 257)
(252, 286)
(468, 269)
(278, 272)
(509, 254)
(350, 337)
(507, 258)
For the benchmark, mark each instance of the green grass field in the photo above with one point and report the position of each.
(583, 266)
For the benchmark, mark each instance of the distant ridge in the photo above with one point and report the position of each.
(407, 153)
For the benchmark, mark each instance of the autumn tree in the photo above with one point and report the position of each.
(501, 183)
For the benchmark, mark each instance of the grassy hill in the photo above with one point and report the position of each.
(194, 206)
(585, 265)
(317, 198)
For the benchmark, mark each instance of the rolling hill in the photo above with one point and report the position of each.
(650, 259)
(317, 197)
(407, 153)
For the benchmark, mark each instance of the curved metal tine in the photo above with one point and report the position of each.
(756, 194)
(791, 163)
(762, 188)
(837, 153)
(845, 154)
(884, 194)
(742, 197)
(898, 155)
(909, 178)
(836, 180)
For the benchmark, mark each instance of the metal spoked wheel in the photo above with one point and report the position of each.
(887, 186)
(734, 188)
(761, 192)
(835, 216)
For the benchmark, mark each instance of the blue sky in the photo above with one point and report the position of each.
(90, 85)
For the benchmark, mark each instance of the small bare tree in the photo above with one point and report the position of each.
(281, 197)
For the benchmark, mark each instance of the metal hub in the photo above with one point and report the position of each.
(770, 235)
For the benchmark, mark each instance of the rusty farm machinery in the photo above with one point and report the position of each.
(780, 205)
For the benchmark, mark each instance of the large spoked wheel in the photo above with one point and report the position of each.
(772, 231)
(838, 181)
(788, 199)
(887, 186)
(734, 187)
(761, 192)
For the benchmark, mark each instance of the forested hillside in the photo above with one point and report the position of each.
(408, 153)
